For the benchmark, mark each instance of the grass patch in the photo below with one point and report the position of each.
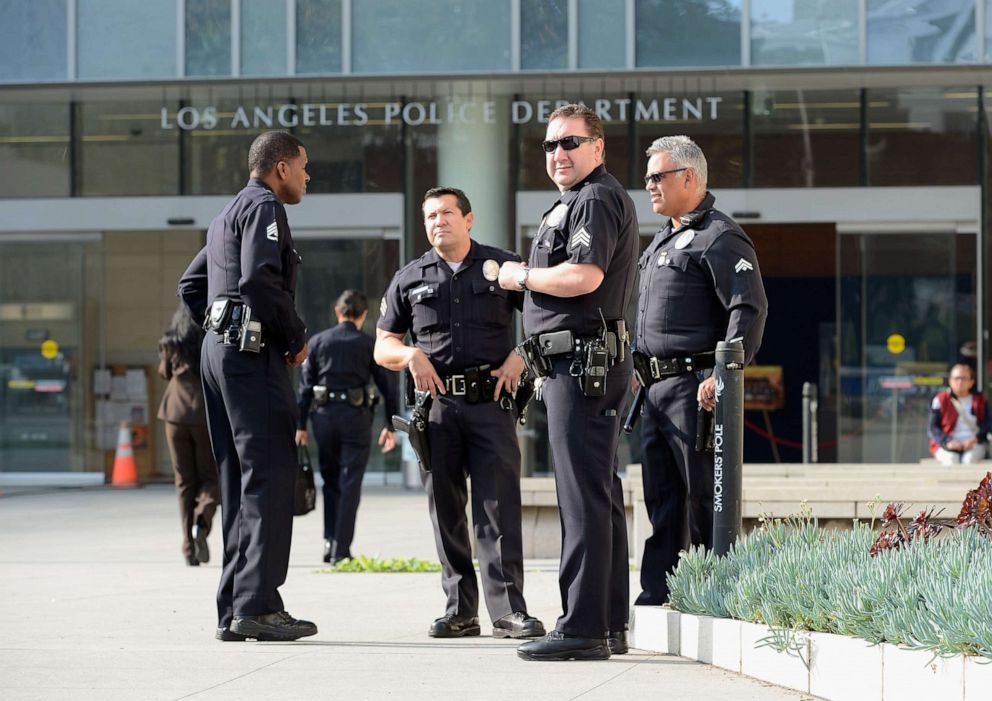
(375, 564)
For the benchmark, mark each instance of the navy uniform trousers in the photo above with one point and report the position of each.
(584, 432)
(251, 413)
(344, 441)
(480, 440)
(678, 482)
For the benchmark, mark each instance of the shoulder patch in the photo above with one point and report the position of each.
(743, 266)
(582, 237)
(272, 232)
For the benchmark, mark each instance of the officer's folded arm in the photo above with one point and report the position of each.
(562, 280)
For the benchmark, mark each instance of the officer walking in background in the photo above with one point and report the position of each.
(581, 276)
(461, 324)
(699, 284)
(244, 283)
(334, 382)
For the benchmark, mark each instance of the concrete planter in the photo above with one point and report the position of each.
(843, 668)
(832, 667)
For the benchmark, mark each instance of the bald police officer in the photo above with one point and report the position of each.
(244, 282)
(699, 284)
(334, 384)
(461, 323)
(580, 278)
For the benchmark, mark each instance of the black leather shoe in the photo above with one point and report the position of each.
(618, 643)
(272, 626)
(327, 551)
(518, 625)
(192, 561)
(452, 626)
(200, 549)
(227, 636)
(556, 646)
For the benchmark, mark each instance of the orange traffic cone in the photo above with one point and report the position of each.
(125, 471)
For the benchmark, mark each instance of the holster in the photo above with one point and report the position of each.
(320, 397)
(704, 430)
(525, 392)
(416, 428)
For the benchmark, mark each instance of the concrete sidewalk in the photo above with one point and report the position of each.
(95, 603)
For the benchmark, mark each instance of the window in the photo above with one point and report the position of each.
(34, 149)
(34, 42)
(688, 33)
(544, 34)
(804, 32)
(602, 34)
(921, 31)
(126, 39)
(208, 37)
(263, 37)
(318, 36)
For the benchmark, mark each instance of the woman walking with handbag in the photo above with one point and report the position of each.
(185, 418)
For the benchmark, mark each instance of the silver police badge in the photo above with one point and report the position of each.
(490, 270)
(556, 215)
(684, 239)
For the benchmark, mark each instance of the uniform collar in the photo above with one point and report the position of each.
(255, 182)
(571, 193)
(693, 218)
(432, 257)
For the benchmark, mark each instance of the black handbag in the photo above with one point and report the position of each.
(305, 493)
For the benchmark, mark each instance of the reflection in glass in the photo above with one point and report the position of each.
(544, 34)
(803, 32)
(602, 33)
(688, 33)
(318, 36)
(921, 287)
(331, 266)
(33, 46)
(720, 139)
(921, 31)
(805, 138)
(125, 151)
(263, 39)
(34, 150)
(208, 37)
(125, 39)
(398, 36)
(922, 136)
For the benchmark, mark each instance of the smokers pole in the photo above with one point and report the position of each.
(728, 444)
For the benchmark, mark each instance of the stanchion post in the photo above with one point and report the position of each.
(728, 445)
(810, 407)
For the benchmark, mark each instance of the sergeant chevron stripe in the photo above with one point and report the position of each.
(743, 265)
(272, 232)
(580, 238)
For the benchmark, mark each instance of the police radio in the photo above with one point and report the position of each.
(596, 364)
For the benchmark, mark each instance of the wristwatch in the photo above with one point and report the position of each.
(522, 276)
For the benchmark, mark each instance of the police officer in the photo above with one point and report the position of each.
(461, 323)
(334, 381)
(580, 279)
(244, 282)
(699, 284)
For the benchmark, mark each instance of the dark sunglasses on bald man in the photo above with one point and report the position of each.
(568, 143)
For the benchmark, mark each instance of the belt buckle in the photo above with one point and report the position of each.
(655, 368)
(457, 385)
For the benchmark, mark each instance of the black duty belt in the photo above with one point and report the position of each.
(356, 396)
(653, 368)
(475, 384)
(565, 343)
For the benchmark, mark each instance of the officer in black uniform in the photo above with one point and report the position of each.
(461, 324)
(334, 381)
(581, 277)
(700, 284)
(244, 282)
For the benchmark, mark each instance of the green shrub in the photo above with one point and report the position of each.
(934, 595)
(374, 564)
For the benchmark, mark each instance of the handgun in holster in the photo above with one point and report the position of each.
(525, 392)
(537, 364)
(416, 427)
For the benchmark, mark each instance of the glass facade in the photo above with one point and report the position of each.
(35, 49)
(318, 36)
(34, 149)
(602, 33)
(668, 33)
(263, 51)
(903, 32)
(120, 39)
(804, 32)
(544, 34)
(208, 37)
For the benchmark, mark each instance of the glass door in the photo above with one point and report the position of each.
(906, 312)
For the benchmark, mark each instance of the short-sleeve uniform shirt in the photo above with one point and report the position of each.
(593, 222)
(459, 319)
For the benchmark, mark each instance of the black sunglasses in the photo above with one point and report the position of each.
(566, 142)
(660, 175)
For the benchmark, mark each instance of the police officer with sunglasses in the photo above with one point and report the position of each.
(579, 280)
(699, 284)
